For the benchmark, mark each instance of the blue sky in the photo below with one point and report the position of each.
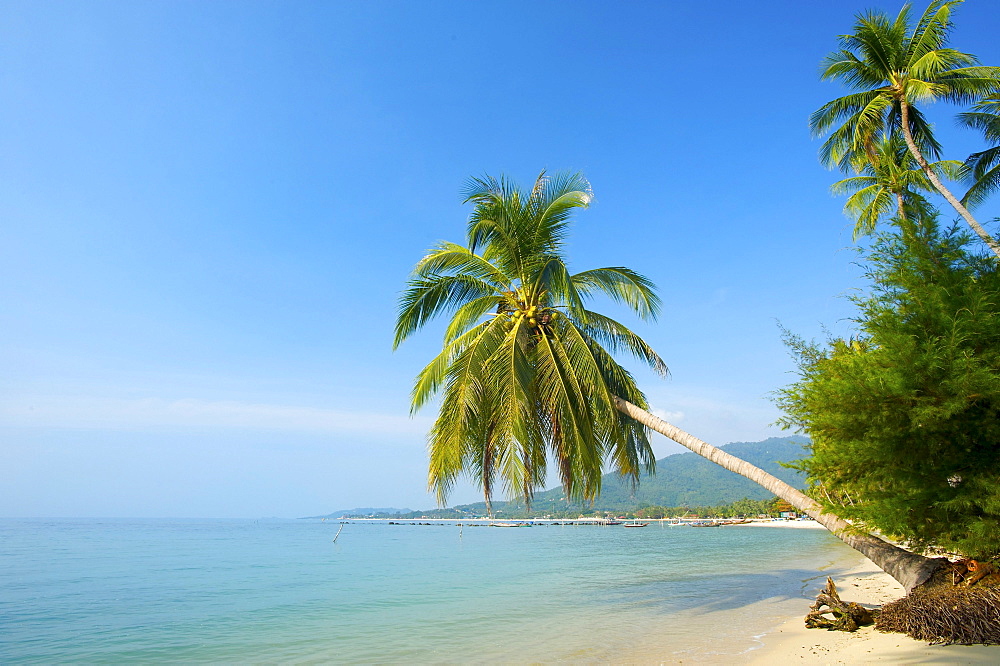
(209, 210)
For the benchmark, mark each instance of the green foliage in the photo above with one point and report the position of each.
(905, 418)
(744, 508)
(526, 373)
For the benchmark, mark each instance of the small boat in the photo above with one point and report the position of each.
(706, 523)
(635, 524)
(509, 525)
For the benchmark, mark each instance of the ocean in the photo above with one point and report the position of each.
(144, 590)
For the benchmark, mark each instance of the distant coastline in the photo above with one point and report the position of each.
(756, 522)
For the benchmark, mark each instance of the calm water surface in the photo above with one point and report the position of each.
(209, 591)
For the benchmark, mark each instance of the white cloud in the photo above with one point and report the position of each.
(669, 417)
(717, 416)
(119, 414)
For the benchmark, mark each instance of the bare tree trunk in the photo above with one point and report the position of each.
(904, 113)
(908, 568)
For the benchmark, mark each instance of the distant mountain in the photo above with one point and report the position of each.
(687, 479)
(683, 479)
(363, 511)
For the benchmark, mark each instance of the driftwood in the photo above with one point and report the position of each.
(847, 616)
(974, 572)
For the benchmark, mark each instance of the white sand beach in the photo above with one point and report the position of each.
(789, 642)
(788, 524)
(866, 584)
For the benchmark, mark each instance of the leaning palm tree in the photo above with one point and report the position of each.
(524, 374)
(982, 169)
(892, 67)
(890, 183)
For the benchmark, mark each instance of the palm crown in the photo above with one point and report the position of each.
(525, 372)
(889, 182)
(893, 67)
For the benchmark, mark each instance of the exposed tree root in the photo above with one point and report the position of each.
(946, 614)
(847, 616)
(959, 604)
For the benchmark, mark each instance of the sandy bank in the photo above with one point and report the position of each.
(786, 524)
(792, 643)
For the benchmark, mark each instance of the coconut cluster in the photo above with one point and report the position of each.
(535, 315)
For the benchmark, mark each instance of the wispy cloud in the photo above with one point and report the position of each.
(715, 416)
(119, 413)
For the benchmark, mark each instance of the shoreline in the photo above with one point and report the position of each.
(865, 583)
(786, 640)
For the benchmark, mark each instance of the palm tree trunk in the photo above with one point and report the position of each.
(904, 113)
(908, 228)
(908, 568)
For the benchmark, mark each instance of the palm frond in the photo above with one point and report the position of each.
(429, 379)
(618, 338)
(562, 397)
(930, 33)
(555, 279)
(470, 314)
(451, 258)
(983, 171)
(622, 285)
(427, 297)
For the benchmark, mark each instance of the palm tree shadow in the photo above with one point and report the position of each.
(706, 593)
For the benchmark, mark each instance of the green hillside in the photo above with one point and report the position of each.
(687, 479)
(683, 479)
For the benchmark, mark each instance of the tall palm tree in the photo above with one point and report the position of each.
(889, 183)
(982, 169)
(893, 67)
(523, 371)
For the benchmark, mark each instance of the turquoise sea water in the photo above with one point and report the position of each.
(279, 591)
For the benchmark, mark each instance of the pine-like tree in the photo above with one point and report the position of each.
(905, 417)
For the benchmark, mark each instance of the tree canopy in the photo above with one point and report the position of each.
(905, 416)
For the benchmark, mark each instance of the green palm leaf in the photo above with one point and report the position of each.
(982, 169)
(891, 185)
